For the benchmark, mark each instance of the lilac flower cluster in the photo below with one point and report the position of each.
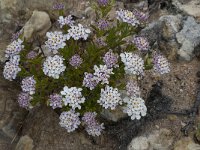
(103, 24)
(58, 6)
(12, 68)
(103, 2)
(32, 55)
(69, 120)
(76, 61)
(102, 73)
(14, 48)
(135, 107)
(89, 81)
(133, 63)
(110, 98)
(78, 32)
(56, 40)
(111, 59)
(55, 101)
(72, 97)
(141, 16)
(92, 126)
(66, 21)
(53, 66)
(132, 89)
(101, 42)
(127, 16)
(161, 64)
(141, 43)
(28, 85)
(24, 100)
(16, 35)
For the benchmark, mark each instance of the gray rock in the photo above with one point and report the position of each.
(189, 38)
(39, 24)
(157, 140)
(186, 143)
(25, 143)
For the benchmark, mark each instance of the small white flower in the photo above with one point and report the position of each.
(11, 70)
(53, 66)
(56, 40)
(69, 120)
(161, 64)
(66, 21)
(135, 107)
(110, 98)
(14, 48)
(28, 85)
(102, 73)
(127, 16)
(78, 32)
(133, 63)
(72, 97)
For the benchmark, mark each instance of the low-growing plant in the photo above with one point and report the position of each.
(86, 67)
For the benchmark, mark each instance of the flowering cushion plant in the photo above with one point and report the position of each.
(85, 68)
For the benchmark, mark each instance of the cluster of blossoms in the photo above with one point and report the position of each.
(111, 59)
(32, 55)
(110, 98)
(141, 43)
(89, 81)
(56, 40)
(92, 126)
(58, 6)
(14, 48)
(102, 73)
(78, 32)
(101, 41)
(12, 68)
(161, 65)
(103, 24)
(69, 120)
(141, 16)
(28, 85)
(103, 2)
(16, 35)
(135, 107)
(72, 97)
(66, 21)
(132, 89)
(53, 66)
(128, 17)
(133, 63)
(24, 100)
(76, 61)
(55, 101)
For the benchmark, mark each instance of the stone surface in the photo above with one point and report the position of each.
(157, 140)
(189, 38)
(25, 143)
(39, 24)
(190, 7)
(42, 125)
(186, 144)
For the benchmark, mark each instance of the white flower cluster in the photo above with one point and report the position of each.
(102, 73)
(53, 66)
(69, 120)
(135, 107)
(133, 89)
(72, 97)
(66, 21)
(14, 48)
(28, 85)
(56, 40)
(110, 98)
(133, 63)
(161, 64)
(78, 32)
(12, 68)
(127, 16)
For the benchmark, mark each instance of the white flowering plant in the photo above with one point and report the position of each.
(86, 66)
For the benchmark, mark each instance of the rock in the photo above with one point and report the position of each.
(42, 125)
(157, 140)
(190, 7)
(25, 143)
(189, 38)
(39, 24)
(186, 144)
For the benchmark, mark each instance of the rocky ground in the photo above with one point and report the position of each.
(174, 29)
